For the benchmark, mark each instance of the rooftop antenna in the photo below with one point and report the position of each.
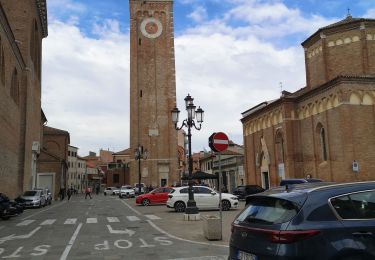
(281, 87)
(348, 15)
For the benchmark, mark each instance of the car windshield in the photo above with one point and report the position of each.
(268, 210)
(30, 193)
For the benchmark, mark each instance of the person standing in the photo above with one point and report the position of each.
(88, 192)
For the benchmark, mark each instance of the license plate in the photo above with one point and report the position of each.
(246, 256)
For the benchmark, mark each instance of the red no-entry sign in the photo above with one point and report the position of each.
(218, 142)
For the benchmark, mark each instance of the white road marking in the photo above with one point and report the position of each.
(181, 239)
(51, 207)
(132, 218)
(112, 219)
(136, 211)
(48, 222)
(25, 223)
(71, 242)
(70, 221)
(13, 236)
(91, 220)
(126, 231)
(152, 217)
(218, 257)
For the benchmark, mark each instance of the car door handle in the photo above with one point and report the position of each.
(362, 234)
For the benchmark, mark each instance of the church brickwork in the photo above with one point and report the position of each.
(23, 25)
(153, 91)
(320, 130)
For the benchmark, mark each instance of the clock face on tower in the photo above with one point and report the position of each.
(151, 28)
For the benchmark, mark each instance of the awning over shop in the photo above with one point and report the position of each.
(199, 175)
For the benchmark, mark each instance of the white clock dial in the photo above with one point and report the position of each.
(151, 28)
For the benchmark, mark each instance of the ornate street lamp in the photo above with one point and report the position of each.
(192, 113)
(140, 153)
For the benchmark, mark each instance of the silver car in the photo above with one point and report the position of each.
(47, 195)
(34, 198)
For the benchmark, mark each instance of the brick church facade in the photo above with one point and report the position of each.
(327, 128)
(23, 25)
(153, 92)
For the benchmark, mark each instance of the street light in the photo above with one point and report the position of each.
(140, 153)
(192, 114)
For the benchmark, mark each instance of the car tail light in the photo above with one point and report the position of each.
(280, 237)
(288, 237)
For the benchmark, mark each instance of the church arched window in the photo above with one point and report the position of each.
(322, 142)
(14, 88)
(279, 142)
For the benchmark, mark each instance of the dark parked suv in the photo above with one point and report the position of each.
(297, 181)
(244, 190)
(307, 221)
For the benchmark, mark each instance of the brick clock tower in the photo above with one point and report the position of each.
(152, 92)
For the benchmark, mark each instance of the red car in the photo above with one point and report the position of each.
(156, 196)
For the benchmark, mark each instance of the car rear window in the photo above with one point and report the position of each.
(268, 210)
(29, 193)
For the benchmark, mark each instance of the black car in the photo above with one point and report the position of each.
(307, 221)
(245, 190)
(298, 181)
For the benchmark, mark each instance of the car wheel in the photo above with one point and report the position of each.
(225, 205)
(179, 206)
(5, 217)
(145, 202)
(40, 204)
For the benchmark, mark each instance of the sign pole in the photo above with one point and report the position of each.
(220, 188)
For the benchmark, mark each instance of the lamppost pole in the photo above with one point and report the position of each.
(191, 207)
(139, 153)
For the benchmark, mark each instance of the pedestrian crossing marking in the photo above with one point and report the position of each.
(91, 220)
(48, 222)
(152, 217)
(112, 219)
(25, 222)
(132, 218)
(70, 221)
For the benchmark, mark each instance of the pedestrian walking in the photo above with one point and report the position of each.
(69, 193)
(88, 192)
(97, 189)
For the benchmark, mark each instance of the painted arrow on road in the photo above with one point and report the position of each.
(13, 236)
(126, 231)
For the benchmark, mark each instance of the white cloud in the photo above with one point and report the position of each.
(85, 86)
(199, 14)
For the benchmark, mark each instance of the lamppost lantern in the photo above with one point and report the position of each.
(199, 114)
(175, 114)
(192, 113)
(188, 100)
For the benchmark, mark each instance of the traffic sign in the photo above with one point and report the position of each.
(218, 142)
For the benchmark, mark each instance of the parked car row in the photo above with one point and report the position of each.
(125, 190)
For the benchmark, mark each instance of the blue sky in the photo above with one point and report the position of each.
(241, 48)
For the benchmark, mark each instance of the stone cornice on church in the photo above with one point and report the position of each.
(310, 103)
(41, 6)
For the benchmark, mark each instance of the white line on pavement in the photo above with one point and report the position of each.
(112, 219)
(216, 257)
(71, 242)
(91, 220)
(152, 217)
(136, 211)
(48, 222)
(25, 223)
(70, 221)
(181, 239)
(51, 207)
(132, 218)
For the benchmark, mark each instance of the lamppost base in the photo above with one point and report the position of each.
(192, 217)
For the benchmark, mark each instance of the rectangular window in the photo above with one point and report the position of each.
(116, 178)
